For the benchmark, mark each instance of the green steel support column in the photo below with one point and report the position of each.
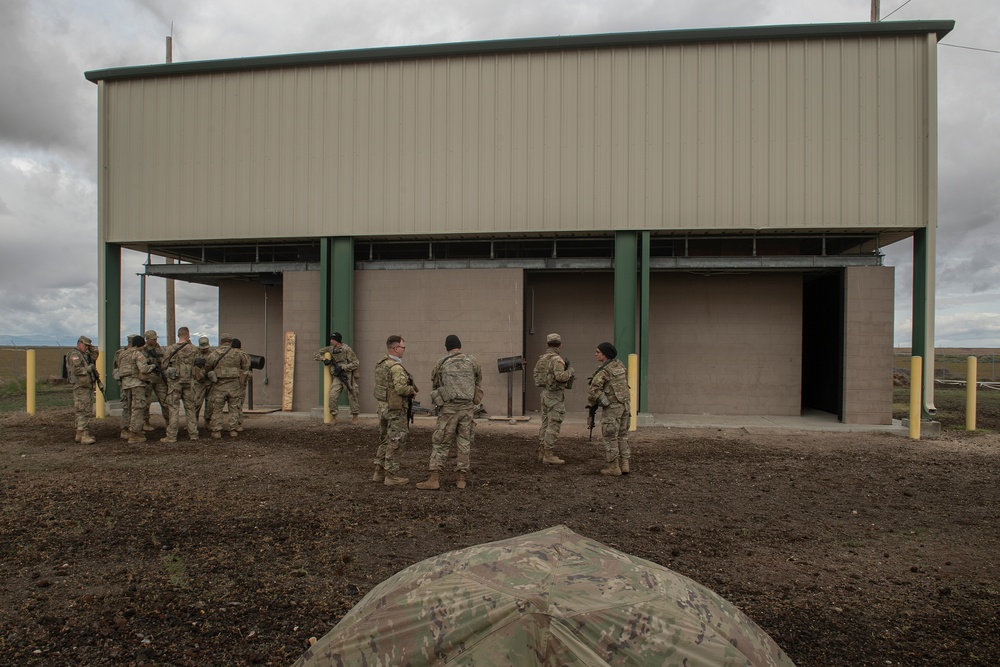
(110, 313)
(341, 292)
(644, 326)
(342, 287)
(922, 343)
(626, 284)
(325, 298)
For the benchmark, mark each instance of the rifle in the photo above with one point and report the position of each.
(409, 410)
(154, 359)
(95, 377)
(591, 420)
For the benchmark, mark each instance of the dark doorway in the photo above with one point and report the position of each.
(823, 342)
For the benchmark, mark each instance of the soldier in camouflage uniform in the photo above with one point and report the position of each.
(457, 388)
(178, 361)
(157, 386)
(609, 390)
(224, 367)
(135, 369)
(116, 374)
(344, 370)
(554, 375)
(83, 376)
(394, 391)
(199, 381)
(244, 377)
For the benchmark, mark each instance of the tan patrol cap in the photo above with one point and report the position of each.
(84, 340)
(150, 335)
(225, 338)
(553, 338)
(203, 342)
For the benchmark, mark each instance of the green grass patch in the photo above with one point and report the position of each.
(950, 403)
(14, 397)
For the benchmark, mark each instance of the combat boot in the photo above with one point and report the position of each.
(86, 438)
(233, 434)
(379, 475)
(612, 469)
(354, 419)
(623, 464)
(136, 438)
(392, 479)
(460, 482)
(78, 436)
(147, 427)
(217, 435)
(541, 453)
(123, 435)
(551, 459)
(433, 482)
(168, 441)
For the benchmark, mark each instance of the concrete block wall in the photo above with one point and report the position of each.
(580, 308)
(253, 313)
(725, 344)
(868, 340)
(483, 307)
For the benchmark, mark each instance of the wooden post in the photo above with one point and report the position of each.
(289, 375)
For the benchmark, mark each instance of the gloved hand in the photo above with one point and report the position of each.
(90, 368)
(212, 377)
(327, 362)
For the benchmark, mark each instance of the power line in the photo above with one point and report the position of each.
(895, 10)
(970, 48)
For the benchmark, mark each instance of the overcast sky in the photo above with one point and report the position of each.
(48, 119)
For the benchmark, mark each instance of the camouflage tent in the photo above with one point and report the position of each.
(549, 598)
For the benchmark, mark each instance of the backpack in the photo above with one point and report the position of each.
(543, 375)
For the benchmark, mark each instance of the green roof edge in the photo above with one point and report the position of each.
(529, 44)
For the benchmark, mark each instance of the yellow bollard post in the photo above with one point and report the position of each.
(916, 368)
(633, 389)
(30, 380)
(971, 386)
(100, 408)
(327, 381)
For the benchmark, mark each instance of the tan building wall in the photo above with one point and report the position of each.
(726, 344)
(484, 308)
(253, 313)
(580, 308)
(868, 353)
(832, 132)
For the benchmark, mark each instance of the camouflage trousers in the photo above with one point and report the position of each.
(224, 391)
(179, 393)
(553, 411)
(393, 429)
(337, 388)
(614, 428)
(83, 406)
(201, 404)
(137, 409)
(157, 390)
(455, 426)
(126, 417)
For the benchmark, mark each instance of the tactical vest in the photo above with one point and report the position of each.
(382, 379)
(616, 387)
(458, 379)
(228, 365)
(181, 358)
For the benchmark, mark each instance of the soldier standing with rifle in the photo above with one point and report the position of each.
(116, 374)
(135, 369)
(223, 368)
(199, 380)
(554, 375)
(609, 391)
(394, 391)
(179, 361)
(157, 386)
(457, 388)
(344, 369)
(84, 378)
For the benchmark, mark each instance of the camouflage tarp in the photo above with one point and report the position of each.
(548, 598)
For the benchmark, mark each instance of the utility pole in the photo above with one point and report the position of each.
(875, 11)
(171, 288)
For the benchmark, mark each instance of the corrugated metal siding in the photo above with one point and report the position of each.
(807, 134)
